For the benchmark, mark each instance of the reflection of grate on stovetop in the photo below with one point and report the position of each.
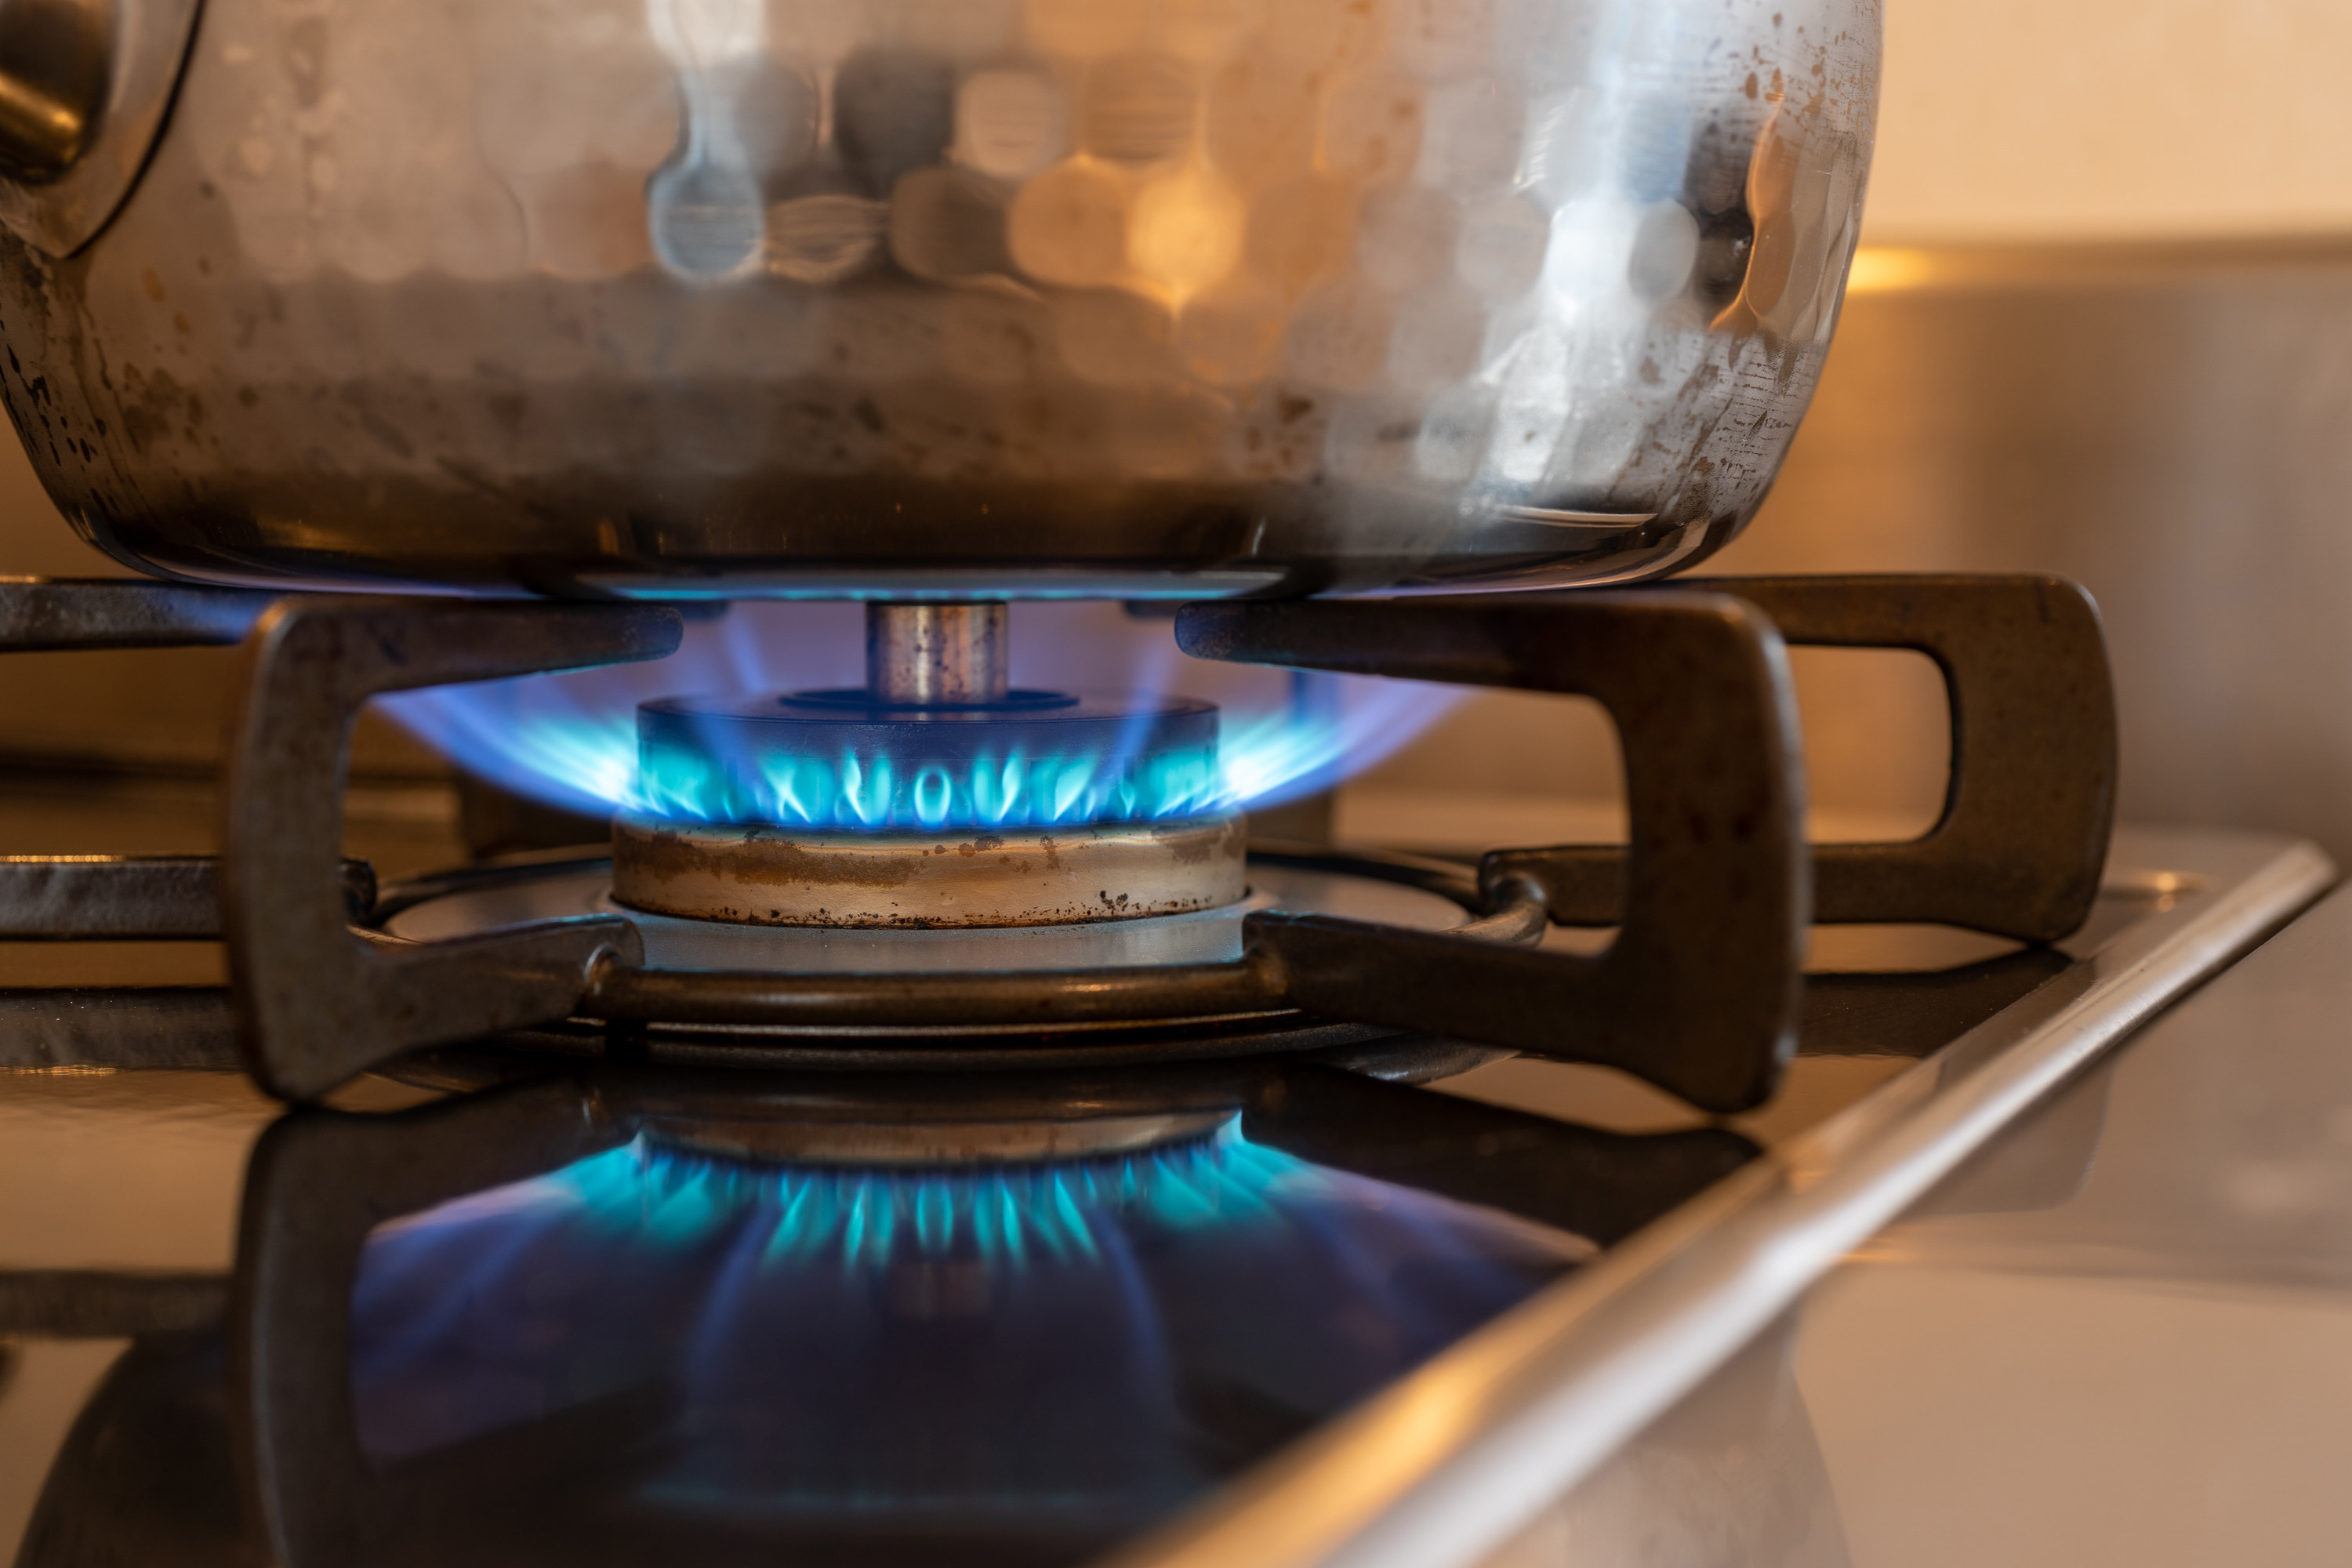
(1699, 991)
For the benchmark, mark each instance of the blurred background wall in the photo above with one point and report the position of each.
(2103, 327)
(2112, 120)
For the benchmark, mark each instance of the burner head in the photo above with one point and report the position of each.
(778, 875)
(830, 808)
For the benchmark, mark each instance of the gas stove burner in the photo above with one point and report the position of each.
(832, 809)
(936, 796)
(767, 876)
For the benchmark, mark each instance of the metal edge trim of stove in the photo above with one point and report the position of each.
(1444, 1466)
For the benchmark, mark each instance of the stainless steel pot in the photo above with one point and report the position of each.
(949, 297)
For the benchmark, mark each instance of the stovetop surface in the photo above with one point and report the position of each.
(2119, 1333)
(657, 1343)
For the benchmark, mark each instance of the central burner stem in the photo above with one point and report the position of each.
(926, 655)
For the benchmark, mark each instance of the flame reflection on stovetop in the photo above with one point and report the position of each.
(571, 740)
(1071, 1348)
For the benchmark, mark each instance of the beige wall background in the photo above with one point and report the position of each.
(2113, 119)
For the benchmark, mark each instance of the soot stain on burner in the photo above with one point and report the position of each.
(1073, 913)
(1189, 849)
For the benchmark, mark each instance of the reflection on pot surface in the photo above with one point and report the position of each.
(1079, 296)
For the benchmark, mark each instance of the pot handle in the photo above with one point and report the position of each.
(84, 86)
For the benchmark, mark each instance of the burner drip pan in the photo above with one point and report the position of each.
(945, 878)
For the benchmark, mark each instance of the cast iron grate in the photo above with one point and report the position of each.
(1700, 991)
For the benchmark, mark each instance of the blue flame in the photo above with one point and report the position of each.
(570, 741)
(858, 790)
(1083, 1345)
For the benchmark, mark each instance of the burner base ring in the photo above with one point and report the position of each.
(476, 900)
(929, 881)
